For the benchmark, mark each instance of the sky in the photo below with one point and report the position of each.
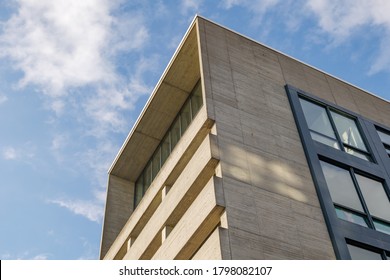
(74, 76)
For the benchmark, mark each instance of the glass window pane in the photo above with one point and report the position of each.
(147, 176)
(317, 119)
(175, 133)
(324, 140)
(358, 253)
(384, 137)
(350, 216)
(138, 191)
(186, 117)
(196, 100)
(341, 187)
(348, 131)
(156, 162)
(382, 227)
(357, 154)
(375, 197)
(165, 148)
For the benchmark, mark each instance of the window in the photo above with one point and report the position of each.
(168, 143)
(385, 138)
(358, 199)
(354, 193)
(358, 253)
(334, 129)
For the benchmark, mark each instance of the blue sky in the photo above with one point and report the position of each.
(74, 75)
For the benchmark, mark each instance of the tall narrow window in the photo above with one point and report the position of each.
(334, 129)
(358, 253)
(344, 194)
(175, 132)
(385, 137)
(186, 116)
(165, 148)
(377, 201)
(319, 124)
(357, 198)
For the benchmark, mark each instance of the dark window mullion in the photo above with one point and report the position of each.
(341, 206)
(361, 197)
(357, 149)
(323, 135)
(341, 144)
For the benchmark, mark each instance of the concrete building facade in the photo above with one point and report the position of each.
(242, 152)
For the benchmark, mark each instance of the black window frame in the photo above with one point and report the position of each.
(339, 230)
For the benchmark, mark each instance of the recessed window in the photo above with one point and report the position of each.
(357, 198)
(319, 124)
(341, 187)
(385, 137)
(334, 129)
(354, 193)
(358, 253)
(184, 118)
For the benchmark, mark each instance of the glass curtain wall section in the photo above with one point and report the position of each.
(334, 129)
(357, 198)
(385, 138)
(180, 124)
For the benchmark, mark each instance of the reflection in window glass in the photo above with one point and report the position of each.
(350, 216)
(358, 253)
(317, 120)
(156, 162)
(165, 148)
(324, 140)
(382, 227)
(196, 100)
(341, 187)
(348, 131)
(186, 116)
(175, 132)
(375, 197)
(139, 188)
(384, 137)
(147, 176)
(357, 154)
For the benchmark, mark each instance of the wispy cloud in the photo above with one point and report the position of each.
(23, 153)
(258, 7)
(89, 209)
(3, 98)
(345, 19)
(63, 44)
(190, 6)
(68, 52)
(337, 21)
(9, 153)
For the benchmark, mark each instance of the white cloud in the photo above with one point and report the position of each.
(64, 47)
(23, 153)
(62, 44)
(343, 19)
(41, 257)
(10, 153)
(190, 5)
(3, 98)
(259, 7)
(91, 210)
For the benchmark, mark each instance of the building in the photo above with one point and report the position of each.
(242, 152)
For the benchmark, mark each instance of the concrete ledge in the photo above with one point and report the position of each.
(197, 223)
(183, 192)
